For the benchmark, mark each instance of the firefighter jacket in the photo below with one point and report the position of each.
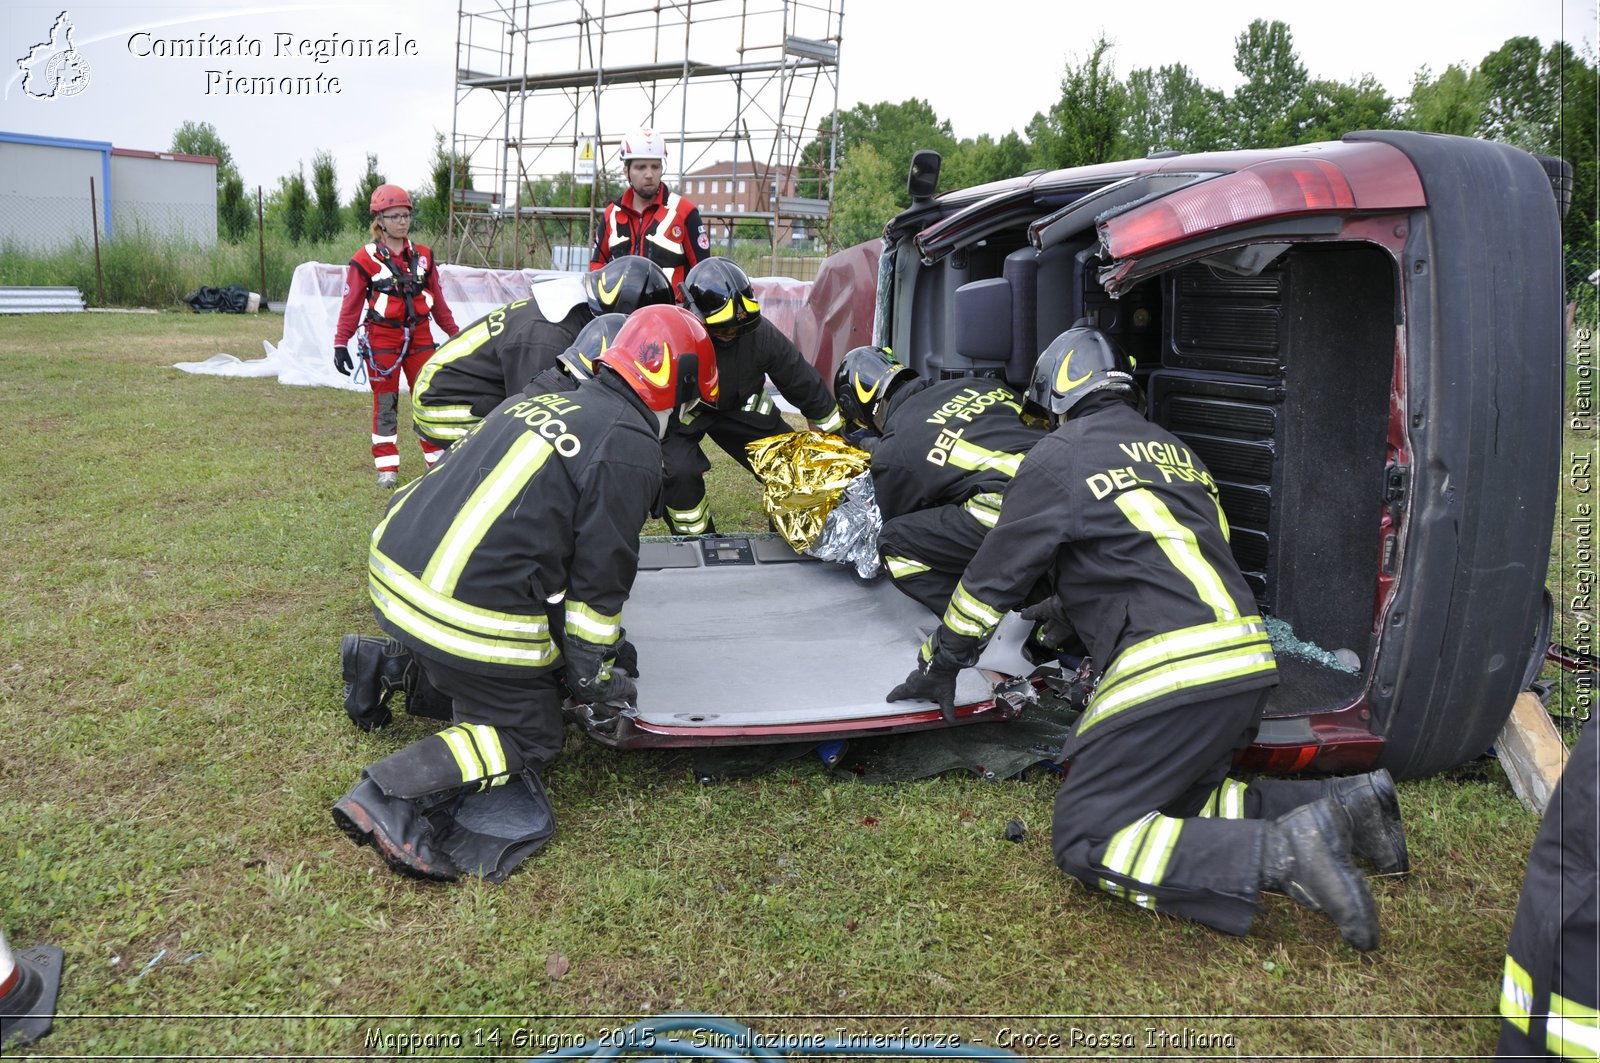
(493, 357)
(541, 504)
(744, 365)
(1128, 519)
(667, 231)
(398, 292)
(950, 443)
(1550, 990)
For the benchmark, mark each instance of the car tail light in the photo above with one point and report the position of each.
(1276, 759)
(1266, 190)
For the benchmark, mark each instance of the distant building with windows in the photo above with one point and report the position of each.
(45, 190)
(723, 193)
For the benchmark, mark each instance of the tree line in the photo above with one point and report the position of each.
(311, 211)
(1542, 100)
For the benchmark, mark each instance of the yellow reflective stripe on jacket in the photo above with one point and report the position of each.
(984, 508)
(760, 402)
(833, 422)
(1141, 851)
(966, 615)
(1222, 518)
(454, 626)
(973, 458)
(502, 486)
(1516, 995)
(1572, 1030)
(444, 422)
(1164, 664)
(602, 629)
(458, 346)
(1150, 515)
(901, 567)
(477, 752)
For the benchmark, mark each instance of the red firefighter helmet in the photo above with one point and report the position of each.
(665, 355)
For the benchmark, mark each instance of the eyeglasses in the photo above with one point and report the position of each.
(400, 215)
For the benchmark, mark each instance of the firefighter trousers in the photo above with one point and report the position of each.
(684, 465)
(478, 781)
(926, 552)
(1148, 812)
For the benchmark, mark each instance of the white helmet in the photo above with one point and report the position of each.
(645, 144)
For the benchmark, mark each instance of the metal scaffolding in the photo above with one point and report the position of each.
(545, 89)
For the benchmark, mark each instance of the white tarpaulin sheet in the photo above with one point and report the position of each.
(304, 356)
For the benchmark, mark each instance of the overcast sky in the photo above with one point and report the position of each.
(987, 73)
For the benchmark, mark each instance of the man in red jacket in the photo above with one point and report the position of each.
(649, 218)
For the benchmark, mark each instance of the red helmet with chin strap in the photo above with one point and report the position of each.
(665, 355)
(386, 197)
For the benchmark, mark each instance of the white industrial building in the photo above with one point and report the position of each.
(45, 185)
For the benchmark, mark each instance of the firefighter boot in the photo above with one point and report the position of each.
(1373, 807)
(374, 668)
(396, 828)
(1308, 857)
(425, 699)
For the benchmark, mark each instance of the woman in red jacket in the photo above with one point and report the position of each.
(396, 283)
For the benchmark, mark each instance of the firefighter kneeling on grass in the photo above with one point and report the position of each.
(502, 568)
(1125, 522)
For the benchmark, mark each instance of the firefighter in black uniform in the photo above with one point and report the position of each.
(497, 355)
(1550, 992)
(576, 364)
(947, 452)
(510, 559)
(377, 667)
(1126, 523)
(749, 349)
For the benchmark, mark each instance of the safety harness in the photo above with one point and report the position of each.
(401, 283)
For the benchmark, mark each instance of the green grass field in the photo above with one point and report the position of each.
(183, 554)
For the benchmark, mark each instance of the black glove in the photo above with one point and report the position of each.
(591, 679)
(341, 360)
(929, 684)
(624, 657)
(933, 680)
(1052, 630)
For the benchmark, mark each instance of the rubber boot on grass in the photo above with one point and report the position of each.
(1308, 857)
(396, 828)
(1372, 808)
(374, 668)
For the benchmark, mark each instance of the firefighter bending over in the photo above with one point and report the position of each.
(509, 560)
(376, 668)
(749, 349)
(1126, 523)
(947, 452)
(498, 354)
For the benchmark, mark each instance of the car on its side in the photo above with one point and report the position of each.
(1362, 339)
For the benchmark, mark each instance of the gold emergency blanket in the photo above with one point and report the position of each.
(802, 474)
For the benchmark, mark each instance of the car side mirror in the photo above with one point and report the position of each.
(923, 180)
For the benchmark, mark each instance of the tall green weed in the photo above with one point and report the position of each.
(144, 269)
